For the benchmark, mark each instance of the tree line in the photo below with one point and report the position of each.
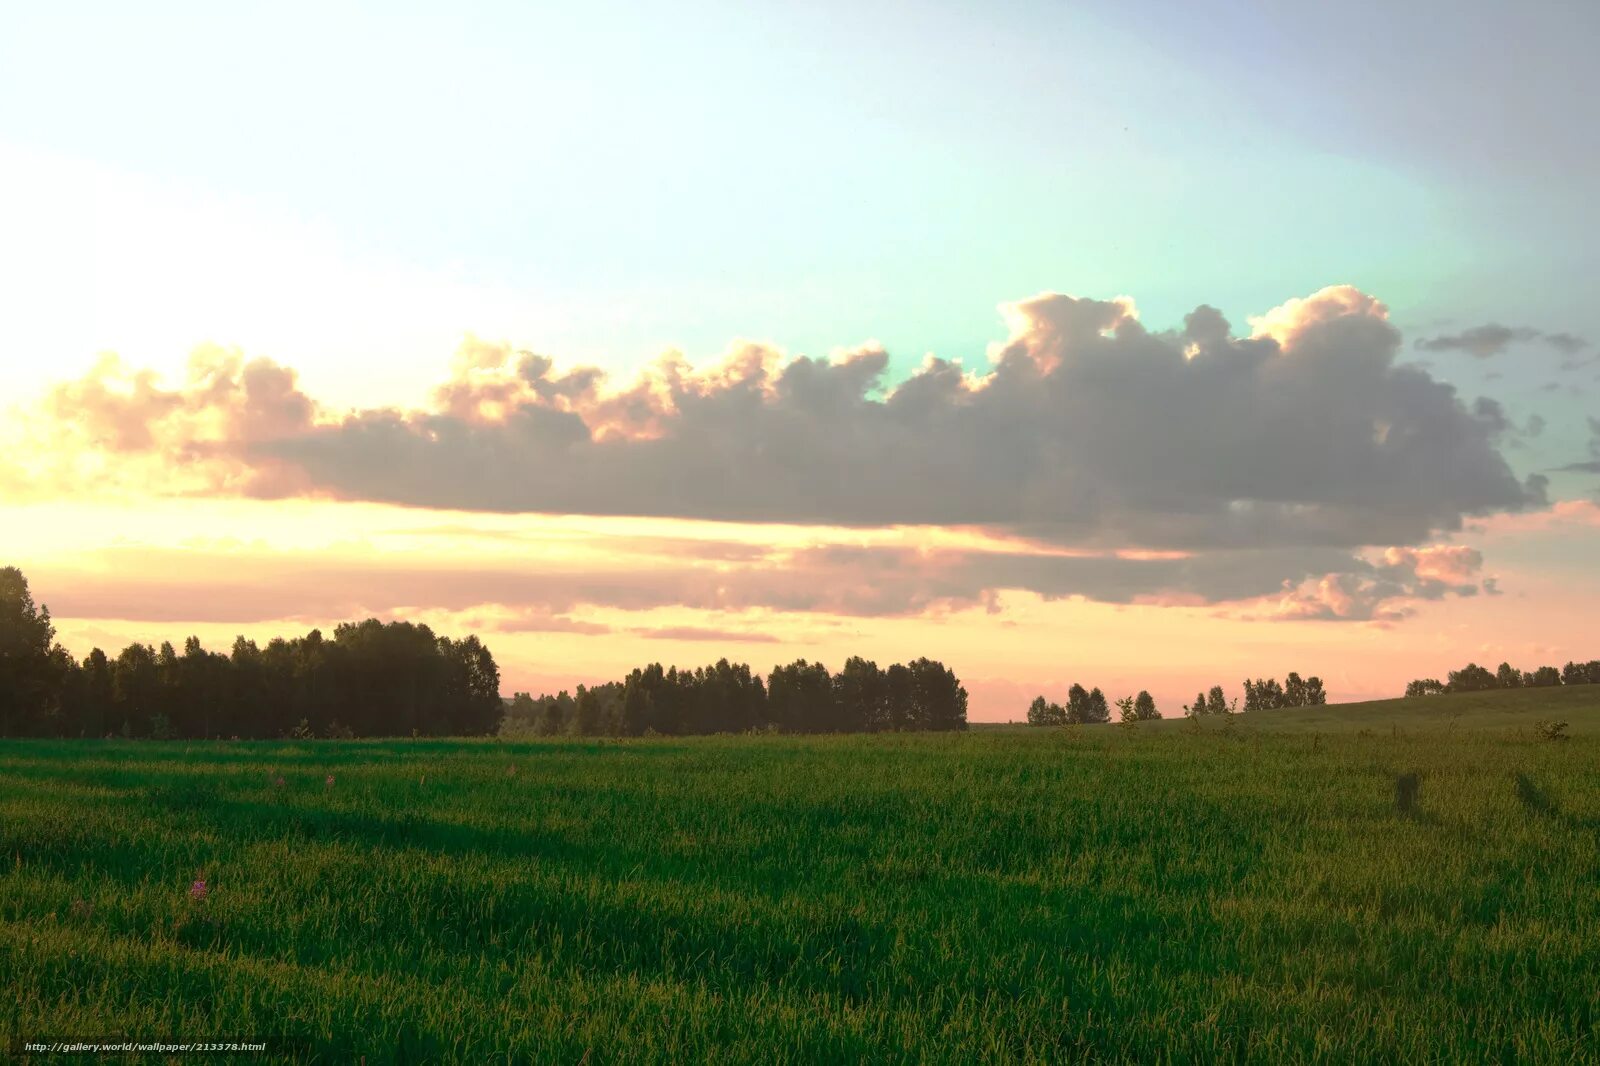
(1088, 706)
(1475, 678)
(1083, 707)
(370, 679)
(802, 697)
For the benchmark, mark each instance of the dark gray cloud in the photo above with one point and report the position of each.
(1592, 464)
(1089, 430)
(1192, 466)
(1492, 339)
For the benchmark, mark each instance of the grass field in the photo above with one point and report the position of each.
(1156, 894)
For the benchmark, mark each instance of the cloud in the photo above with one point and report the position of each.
(698, 633)
(536, 619)
(1087, 430)
(1592, 464)
(200, 586)
(1492, 339)
(1387, 588)
(1566, 343)
(117, 426)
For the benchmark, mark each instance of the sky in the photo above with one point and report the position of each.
(1146, 345)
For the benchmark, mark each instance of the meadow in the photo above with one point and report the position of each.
(1241, 891)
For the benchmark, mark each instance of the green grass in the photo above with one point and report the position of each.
(1157, 894)
(1577, 705)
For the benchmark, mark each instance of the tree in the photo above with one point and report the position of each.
(1077, 704)
(136, 688)
(1427, 686)
(1315, 695)
(861, 694)
(1197, 708)
(1544, 677)
(1042, 713)
(587, 721)
(555, 713)
(1471, 678)
(1140, 708)
(94, 714)
(31, 672)
(1265, 694)
(1216, 702)
(1508, 676)
(469, 703)
(522, 713)
(384, 680)
(1098, 710)
(800, 697)
(638, 703)
(939, 701)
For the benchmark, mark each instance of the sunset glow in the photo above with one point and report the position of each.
(631, 369)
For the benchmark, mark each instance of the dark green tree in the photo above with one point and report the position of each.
(1096, 709)
(1545, 677)
(1077, 704)
(800, 698)
(1471, 678)
(136, 685)
(1042, 713)
(32, 672)
(940, 703)
(861, 693)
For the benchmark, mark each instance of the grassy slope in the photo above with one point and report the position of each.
(1152, 894)
(1577, 705)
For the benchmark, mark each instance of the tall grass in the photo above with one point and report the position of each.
(1151, 895)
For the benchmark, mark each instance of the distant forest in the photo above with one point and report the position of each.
(1089, 706)
(369, 679)
(802, 697)
(1475, 678)
(372, 679)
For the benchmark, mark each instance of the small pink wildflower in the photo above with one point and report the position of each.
(197, 890)
(511, 771)
(277, 782)
(329, 782)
